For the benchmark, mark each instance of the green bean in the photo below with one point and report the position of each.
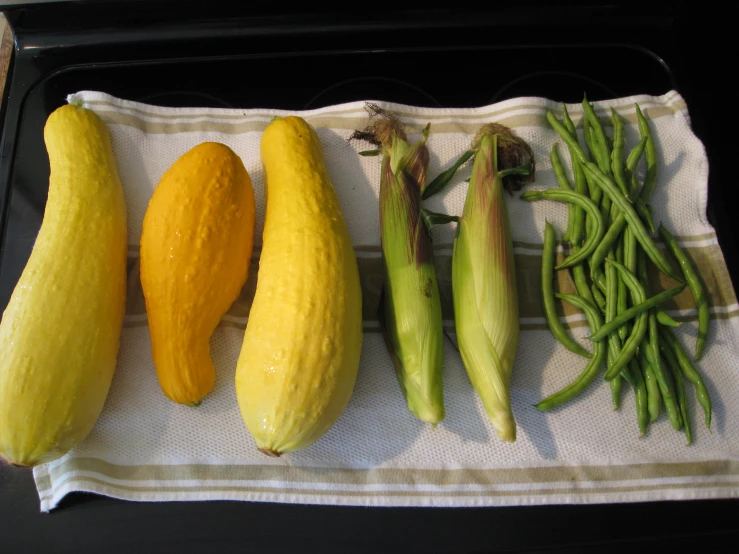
(619, 199)
(654, 398)
(662, 316)
(633, 220)
(550, 310)
(614, 344)
(605, 207)
(567, 120)
(667, 320)
(591, 141)
(664, 380)
(588, 135)
(617, 154)
(581, 184)
(616, 386)
(601, 142)
(595, 191)
(599, 278)
(632, 161)
(600, 300)
(680, 395)
(691, 374)
(609, 238)
(651, 349)
(634, 311)
(581, 281)
(633, 375)
(583, 202)
(645, 212)
(621, 299)
(578, 225)
(591, 368)
(640, 326)
(563, 182)
(630, 250)
(696, 287)
(651, 154)
(635, 155)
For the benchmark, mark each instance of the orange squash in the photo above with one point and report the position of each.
(196, 246)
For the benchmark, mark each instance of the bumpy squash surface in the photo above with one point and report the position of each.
(196, 248)
(60, 332)
(300, 355)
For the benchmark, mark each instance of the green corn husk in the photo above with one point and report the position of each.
(410, 310)
(483, 273)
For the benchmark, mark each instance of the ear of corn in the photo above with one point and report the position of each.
(483, 276)
(410, 312)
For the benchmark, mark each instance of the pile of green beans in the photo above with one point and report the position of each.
(610, 233)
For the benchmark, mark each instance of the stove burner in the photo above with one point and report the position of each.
(375, 88)
(185, 99)
(572, 86)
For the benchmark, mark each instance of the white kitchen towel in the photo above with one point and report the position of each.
(144, 447)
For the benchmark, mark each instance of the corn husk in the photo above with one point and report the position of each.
(410, 311)
(483, 275)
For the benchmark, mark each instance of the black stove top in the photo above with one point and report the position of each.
(161, 53)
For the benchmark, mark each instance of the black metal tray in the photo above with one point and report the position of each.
(305, 59)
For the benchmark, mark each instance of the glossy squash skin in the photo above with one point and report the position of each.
(60, 332)
(300, 355)
(196, 247)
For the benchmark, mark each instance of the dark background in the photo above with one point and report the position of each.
(205, 54)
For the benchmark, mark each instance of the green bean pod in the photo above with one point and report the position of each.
(600, 300)
(609, 239)
(665, 319)
(550, 310)
(654, 397)
(600, 140)
(581, 280)
(622, 297)
(691, 374)
(616, 386)
(634, 311)
(595, 191)
(581, 184)
(630, 251)
(632, 160)
(651, 349)
(562, 195)
(635, 378)
(617, 198)
(696, 287)
(591, 368)
(640, 326)
(682, 400)
(599, 277)
(634, 221)
(564, 182)
(651, 156)
(613, 343)
(617, 154)
(645, 212)
(664, 379)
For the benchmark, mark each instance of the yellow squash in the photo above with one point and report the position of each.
(196, 247)
(60, 333)
(301, 350)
